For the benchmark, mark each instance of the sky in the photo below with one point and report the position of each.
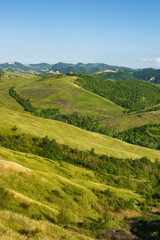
(115, 32)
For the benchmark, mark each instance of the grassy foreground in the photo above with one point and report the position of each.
(72, 136)
(36, 194)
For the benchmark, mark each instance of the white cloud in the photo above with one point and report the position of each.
(154, 61)
(157, 60)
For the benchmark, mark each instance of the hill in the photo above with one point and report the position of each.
(56, 200)
(72, 136)
(119, 75)
(49, 198)
(83, 68)
(121, 124)
(19, 67)
(132, 95)
(61, 67)
(50, 91)
(146, 136)
(148, 74)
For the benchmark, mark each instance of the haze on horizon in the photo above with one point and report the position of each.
(115, 32)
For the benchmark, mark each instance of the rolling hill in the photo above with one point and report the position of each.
(48, 90)
(132, 95)
(62, 182)
(121, 124)
(40, 197)
(72, 136)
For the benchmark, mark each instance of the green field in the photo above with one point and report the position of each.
(37, 193)
(72, 136)
(69, 192)
(130, 121)
(62, 93)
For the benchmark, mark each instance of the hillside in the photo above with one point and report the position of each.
(83, 68)
(41, 198)
(19, 67)
(62, 182)
(148, 74)
(132, 95)
(72, 136)
(130, 121)
(119, 75)
(101, 70)
(61, 67)
(61, 92)
(146, 136)
(49, 198)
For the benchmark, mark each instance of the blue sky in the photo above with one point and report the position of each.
(117, 32)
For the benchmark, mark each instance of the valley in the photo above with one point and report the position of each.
(79, 152)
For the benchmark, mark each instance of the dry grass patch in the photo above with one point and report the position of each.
(14, 166)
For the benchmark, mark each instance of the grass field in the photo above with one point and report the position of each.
(123, 123)
(72, 136)
(13, 79)
(33, 191)
(62, 93)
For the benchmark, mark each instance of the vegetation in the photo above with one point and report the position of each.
(146, 136)
(62, 182)
(73, 136)
(76, 119)
(148, 74)
(126, 122)
(120, 75)
(61, 92)
(36, 188)
(132, 95)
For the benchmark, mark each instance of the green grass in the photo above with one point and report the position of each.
(35, 192)
(62, 93)
(121, 124)
(72, 136)
(17, 226)
(8, 80)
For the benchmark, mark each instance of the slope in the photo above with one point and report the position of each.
(56, 91)
(33, 191)
(61, 92)
(132, 95)
(72, 136)
(130, 121)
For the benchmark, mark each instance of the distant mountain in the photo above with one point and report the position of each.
(84, 68)
(98, 69)
(148, 74)
(19, 67)
(61, 67)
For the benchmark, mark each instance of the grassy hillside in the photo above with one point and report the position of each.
(72, 136)
(132, 95)
(130, 121)
(38, 193)
(35, 191)
(62, 93)
(43, 198)
(13, 79)
(56, 91)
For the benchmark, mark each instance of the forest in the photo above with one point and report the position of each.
(146, 136)
(132, 95)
